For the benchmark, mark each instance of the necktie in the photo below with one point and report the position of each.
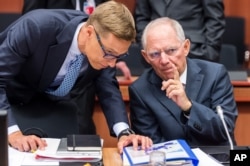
(70, 77)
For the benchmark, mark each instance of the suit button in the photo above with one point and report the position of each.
(198, 127)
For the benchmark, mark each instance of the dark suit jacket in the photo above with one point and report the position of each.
(53, 4)
(32, 51)
(155, 115)
(203, 22)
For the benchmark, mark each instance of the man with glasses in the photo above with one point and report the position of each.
(77, 5)
(57, 61)
(177, 97)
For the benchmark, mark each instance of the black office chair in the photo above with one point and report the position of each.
(7, 18)
(228, 56)
(54, 122)
(235, 35)
(3, 138)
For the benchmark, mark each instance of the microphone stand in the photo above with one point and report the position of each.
(220, 113)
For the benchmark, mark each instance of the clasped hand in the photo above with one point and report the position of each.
(175, 91)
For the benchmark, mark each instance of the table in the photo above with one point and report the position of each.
(242, 98)
(111, 157)
(241, 94)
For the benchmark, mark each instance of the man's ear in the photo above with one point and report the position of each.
(144, 54)
(89, 30)
(187, 45)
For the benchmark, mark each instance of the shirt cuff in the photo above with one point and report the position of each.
(118, 127)
(13, 129)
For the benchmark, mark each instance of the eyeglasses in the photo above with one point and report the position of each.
(157, 54)
(107, 55)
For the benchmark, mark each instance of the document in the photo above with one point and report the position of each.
(51, 154)
(47, 157)
(17, 158)
(177, 151)
(204, 159)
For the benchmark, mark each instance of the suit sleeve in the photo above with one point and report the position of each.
(204, 122)
(142, 119)
(142, 17)
(110, 98)
(215, 27)
(16, 42)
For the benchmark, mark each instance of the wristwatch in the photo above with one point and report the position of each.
(127, 132)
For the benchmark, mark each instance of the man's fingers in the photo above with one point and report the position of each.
(176, 73)
(26, 143)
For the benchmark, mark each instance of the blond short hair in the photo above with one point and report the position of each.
(113, 17)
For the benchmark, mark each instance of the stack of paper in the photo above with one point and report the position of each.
(58, 152)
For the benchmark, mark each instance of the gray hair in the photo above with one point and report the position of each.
(168, 22)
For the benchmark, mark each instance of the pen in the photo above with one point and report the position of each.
(154, 148)
(32, 151)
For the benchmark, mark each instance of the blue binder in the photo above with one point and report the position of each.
(176, 151)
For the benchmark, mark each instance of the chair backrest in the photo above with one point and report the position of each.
(228, 56)
(235, 34)
(6, 19)
(3, 138)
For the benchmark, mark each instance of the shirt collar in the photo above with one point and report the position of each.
(183, 76)
(74, 46)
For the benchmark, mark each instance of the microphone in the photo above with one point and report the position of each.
(220, 113)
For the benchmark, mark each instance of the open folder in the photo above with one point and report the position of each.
(177, 151)
(204, 160)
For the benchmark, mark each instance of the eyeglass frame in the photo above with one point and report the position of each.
(166, 51)
(108, 55)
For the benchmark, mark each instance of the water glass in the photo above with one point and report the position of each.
(157, 158)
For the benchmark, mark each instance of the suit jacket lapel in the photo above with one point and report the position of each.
(162, 7)
(167, 2)
(57, 53)
(163, 99)
(54, 61)
(194, 80)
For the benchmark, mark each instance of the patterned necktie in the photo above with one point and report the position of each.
(70, 77)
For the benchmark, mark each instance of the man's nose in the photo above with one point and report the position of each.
(164, 57)
(111, 63)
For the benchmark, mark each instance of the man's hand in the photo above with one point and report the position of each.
(26, 143)
(135, 140)
(175, 91)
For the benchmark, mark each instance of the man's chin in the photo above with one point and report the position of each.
(99, 67)
(167, 76)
